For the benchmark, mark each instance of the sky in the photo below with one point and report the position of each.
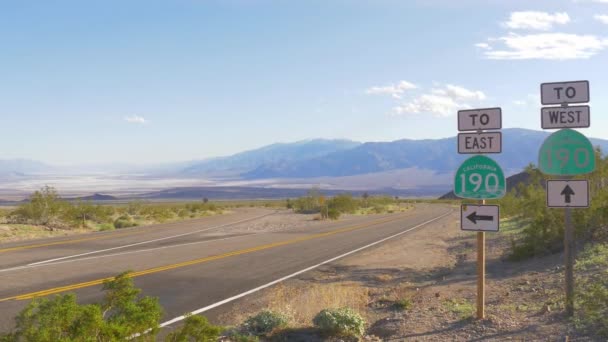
(157, 81)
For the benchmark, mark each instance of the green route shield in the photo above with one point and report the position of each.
(566, 153)
(479, 177)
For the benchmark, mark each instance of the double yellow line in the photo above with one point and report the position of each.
(198, 261)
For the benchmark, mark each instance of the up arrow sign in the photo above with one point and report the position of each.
(567, 193)
(474, 217)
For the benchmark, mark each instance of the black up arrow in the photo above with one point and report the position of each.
(567, 193)
(473, 217)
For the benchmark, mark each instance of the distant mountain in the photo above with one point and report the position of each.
(273, 156)
(18, 167)
(96, 197)
(520, 148)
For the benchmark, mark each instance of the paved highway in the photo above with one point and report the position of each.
(188, 265)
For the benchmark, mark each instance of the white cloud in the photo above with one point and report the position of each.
(484, 46)
(603, 18)
(554, 46)
(395, 90)
(136, 119)
(440, 102)
(535, 20)
(459, 93)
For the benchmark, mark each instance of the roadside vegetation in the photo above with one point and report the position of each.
(46, 214)
(334, 207)
(123, 314)
(535, 230)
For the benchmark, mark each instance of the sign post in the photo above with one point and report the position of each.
(481, 178)
(566, 153)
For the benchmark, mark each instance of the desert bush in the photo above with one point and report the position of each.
(344, 203)
(265, 322)
(196, 329)
(333, 213)
(120, 315)
(340, 322)
(592, 290)
(124, 222)
(403, 304)
(44, 207)
(106, 226)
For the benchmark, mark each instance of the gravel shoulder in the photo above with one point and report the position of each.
(434, 270)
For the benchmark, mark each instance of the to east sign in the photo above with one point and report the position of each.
(567, 194)
(564, 92)
(479, 119)
(487, 142)
(565, 117)
(479, 177)
(481, 218)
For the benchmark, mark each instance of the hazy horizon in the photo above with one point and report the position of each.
(140, 81)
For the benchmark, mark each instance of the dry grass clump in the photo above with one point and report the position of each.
(302, 303)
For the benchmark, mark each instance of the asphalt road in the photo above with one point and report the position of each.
(187, 265)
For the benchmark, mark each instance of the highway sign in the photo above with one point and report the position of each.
(479, 119)
(565, 117)
(486, 142)
(567, 193)
(484, 218)
(479, 177)
(564, 92)
(566, 153)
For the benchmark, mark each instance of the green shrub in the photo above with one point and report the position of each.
(333, 214)
(122, 223)
(265, 322)
(403, 304)
(195, 328)
(106, 226)
(592, 290)
(340, 322)
(119, 316)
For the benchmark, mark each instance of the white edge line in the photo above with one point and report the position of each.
(145, 242)
(228, 300)
(117, 254)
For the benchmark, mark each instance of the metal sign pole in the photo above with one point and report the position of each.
(569, 261)
(481, 271)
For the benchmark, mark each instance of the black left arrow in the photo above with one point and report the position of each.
(473, 217)
(567, 193)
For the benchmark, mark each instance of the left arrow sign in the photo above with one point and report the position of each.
(474, 217)
(483, 218)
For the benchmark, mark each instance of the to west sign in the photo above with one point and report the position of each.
(479, 177)
(473, 143)
(564, 92)
(565, 117)
(482, 218)
(479, 119)
(567, 193)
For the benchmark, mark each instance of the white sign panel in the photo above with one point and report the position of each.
(479, 119)
(564, 92)
(565, 117)
(565, 194)
(486, 142)
(483, 218)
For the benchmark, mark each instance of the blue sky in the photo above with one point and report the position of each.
(154, 81)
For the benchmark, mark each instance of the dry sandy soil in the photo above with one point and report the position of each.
(434, 268)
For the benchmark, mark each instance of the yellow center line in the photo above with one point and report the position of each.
(198, 261)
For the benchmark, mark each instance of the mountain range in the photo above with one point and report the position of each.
(339, 158)
(333, 164)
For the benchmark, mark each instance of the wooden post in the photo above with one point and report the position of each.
(569, 261)
(481, 272)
